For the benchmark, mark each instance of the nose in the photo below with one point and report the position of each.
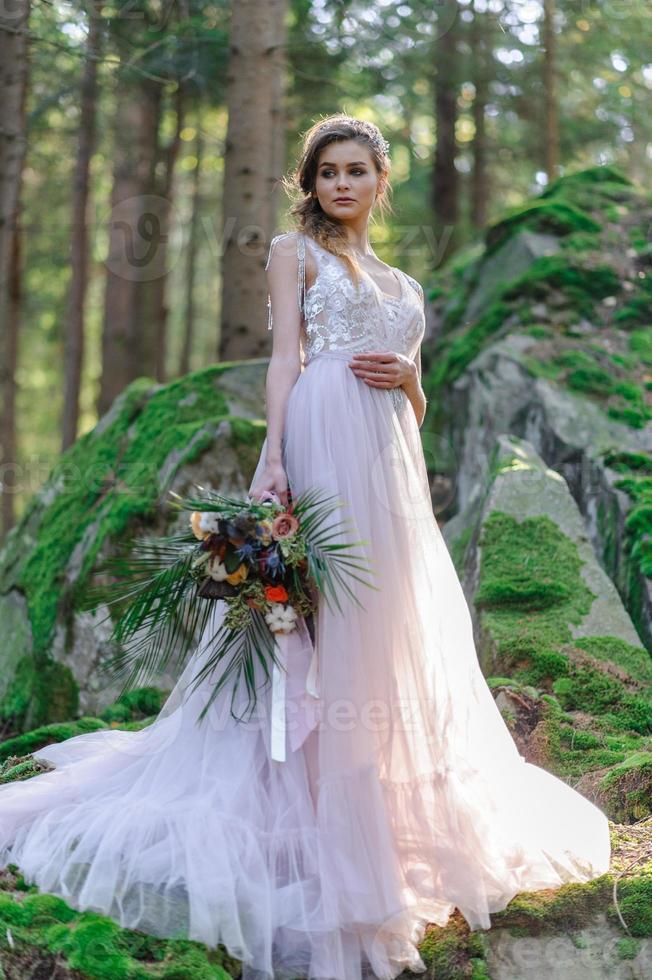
(342, 183)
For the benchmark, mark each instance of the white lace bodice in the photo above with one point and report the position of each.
(338, 315)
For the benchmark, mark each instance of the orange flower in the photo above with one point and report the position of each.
(276, 593)
(195, 519)
(239, 575)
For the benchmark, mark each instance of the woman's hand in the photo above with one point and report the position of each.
(272, 478)
(384, 369)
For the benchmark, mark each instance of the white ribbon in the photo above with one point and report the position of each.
(278, 709)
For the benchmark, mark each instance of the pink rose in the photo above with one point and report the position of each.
(284, 526)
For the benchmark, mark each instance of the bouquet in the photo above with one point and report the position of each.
(269, 563)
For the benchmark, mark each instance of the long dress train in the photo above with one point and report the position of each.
(378, 786)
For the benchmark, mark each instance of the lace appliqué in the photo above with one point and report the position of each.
(301, 276)
(341, 315)
(398, 396)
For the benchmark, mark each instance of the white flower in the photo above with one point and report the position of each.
(216, 569)
(209, 521)
(281, 618)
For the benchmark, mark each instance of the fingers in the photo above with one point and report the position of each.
(377, 378)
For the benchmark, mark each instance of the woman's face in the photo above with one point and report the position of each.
(347, 180)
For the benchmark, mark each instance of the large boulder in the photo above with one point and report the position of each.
(558, 647)
(546, 333)
(113, 482)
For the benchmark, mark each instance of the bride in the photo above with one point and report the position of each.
(382, 788)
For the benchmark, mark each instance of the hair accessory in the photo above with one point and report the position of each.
(372, 133)
(375, 137)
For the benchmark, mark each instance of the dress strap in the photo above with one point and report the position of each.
(301, 277)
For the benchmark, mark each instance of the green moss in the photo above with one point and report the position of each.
(639, 761)
(450, 951)
(610, 649)
(598, 182)
(626, 461)
(571, 907)
(593, 380)
(530, 588)
(636, 312)
(46, 734)
(597, 693)
(103, 487)
(630, 415)
(544, 215)
(640, 342)
(39, 692)
(582, 242)
(628, 949)
(580, 285)
(637, 484)
(539, 330)
(530, 592)
(635, 901)
(43, 926)
(452, 356)
(591, 371)
(16, 768)
(134, 705)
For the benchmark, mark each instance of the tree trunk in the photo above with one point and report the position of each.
(550, 90)
(249, 156)
(153, 306)
(445, 176)
(193, 247)
(134, 255)
(480, 59)
(278, 150)
(74, 339)
(14, 20)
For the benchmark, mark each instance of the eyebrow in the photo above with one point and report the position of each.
(356, 163)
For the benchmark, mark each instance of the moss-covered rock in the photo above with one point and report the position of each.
(113, 482)
(547, 334)
(567, 669)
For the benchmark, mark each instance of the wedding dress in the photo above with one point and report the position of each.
(378, 786)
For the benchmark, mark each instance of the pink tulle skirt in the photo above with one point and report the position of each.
(399, 793)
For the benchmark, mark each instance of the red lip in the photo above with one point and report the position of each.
(344, 199)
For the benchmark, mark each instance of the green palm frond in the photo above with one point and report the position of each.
(255, 643)
(327, 562)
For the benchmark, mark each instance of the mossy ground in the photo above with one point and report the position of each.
(37, 930)
(454, 952)
(132, 710)
(102, 488)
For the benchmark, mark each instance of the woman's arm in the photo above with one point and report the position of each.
(285, 362)
(415, 392)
